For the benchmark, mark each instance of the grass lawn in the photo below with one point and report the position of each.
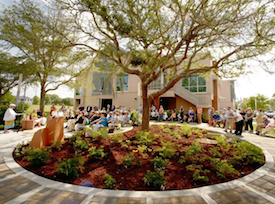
(46, 109)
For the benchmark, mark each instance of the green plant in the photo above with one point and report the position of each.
(142, 151)
(56, 144)
(116, 138)
(246, 152)
(167, 150)
(167, 130)
(97, 153)
(159, 162)
(223, 169)
(135, 118)
(225, 146)
(191, 152)
(81, 144)
(215, 152)
(186, 130)
(129, 160)
(109, 181)
(102, 133)
(156, 179)
(199, 173)
(36, 156)
(145, 138)
(71, 167)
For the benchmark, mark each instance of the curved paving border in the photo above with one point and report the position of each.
(149, 195)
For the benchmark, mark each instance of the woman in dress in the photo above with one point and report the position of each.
(9, 118)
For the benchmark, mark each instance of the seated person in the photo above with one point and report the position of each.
(101, 122)
(154, 115)
(78, 121)
(173, 116)
(72, 121)
(270, 126)
(223, 118)
(41, 116)
(84, 123)
(191, 116)
(60, 113)
(94, 117)
(216, 119)
(262, 125)
(165, 116)
(34, 116)
(113, 120)
(53, 112)
(69, 114)
(123, 118)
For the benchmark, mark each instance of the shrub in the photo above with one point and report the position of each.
(56, 144)
(71, 167)
(156, 179)
(199, 173)
(191, 152)
(109, 181)
(145, 138)
(81, 144)
(97, 153)
(224, 169)
(186, 130)
(167, 150)
(130, 160)
(36, 156)
(159, 162)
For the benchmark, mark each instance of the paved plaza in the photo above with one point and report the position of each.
(20, 186)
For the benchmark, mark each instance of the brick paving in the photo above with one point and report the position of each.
(14, 187)
(261, 190)
(49, 195)
(240, 195)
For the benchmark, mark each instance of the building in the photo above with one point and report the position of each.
(122, 89)
(28, 100)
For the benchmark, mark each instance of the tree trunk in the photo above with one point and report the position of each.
(145, 108)
(42, 98)
(0, 100)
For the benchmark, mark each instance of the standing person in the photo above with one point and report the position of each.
(199, 114)
(249, 117)
(243, 113)
(223, 119)
(210, 113)
(140, 108)
(239, 123)
(161, 111)
(259, 120)
(89, 108)
(229, 121)
(9, 118)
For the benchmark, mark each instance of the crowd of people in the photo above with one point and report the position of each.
(115, 116)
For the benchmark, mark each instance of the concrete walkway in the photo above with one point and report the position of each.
(20, 186)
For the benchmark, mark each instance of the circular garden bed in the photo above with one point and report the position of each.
(168, 157)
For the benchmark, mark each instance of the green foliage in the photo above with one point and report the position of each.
(222, 143)
(67, 101)
(71, 167)
(48, 99)
(167, 130)
(262, 102)
(199, 173)
(20, 149)
(36, 156)
(142, 151)
(129, 160)
(109, 181)
(135, 119)
(20, 105)
(102, 133)
(246, 152)
(97, 153)
(186, 130)
(159, 162)
(79, 143)
(57, 145)
(223, 169)
(145, 138)
(8, 98)
(36, 100)
(191, 152)
(167, 150)
(215, 152)
(156, 179)
(116, 138)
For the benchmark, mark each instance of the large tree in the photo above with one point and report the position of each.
(39, 33)
(10, 68)
(260, 101)
(147, 38)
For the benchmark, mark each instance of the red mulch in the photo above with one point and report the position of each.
(176, 175)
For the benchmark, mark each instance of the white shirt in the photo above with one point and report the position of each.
(9, 115)
(229, 114)
(60, 114)
(238, 117)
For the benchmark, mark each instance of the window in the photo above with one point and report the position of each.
(122, 82)
(102, 84)
(194, 83)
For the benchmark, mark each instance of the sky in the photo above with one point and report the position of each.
(258, 82)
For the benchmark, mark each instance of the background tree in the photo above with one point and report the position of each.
(36, 100)
(48, 99)
(39, 34)
(10, 68)
(55, 99)
(261, 100)
(147, 38)
(68, 101)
